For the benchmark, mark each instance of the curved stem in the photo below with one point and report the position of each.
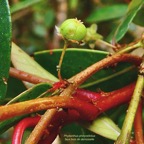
(21, 126)
(35, 105)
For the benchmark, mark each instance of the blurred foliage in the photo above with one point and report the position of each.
(34, 24)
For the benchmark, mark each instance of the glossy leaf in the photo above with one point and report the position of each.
(107, 13)
(76, 60)
(137, 19)
(24, 62)
(31, 93)
(123, 26)
(5, 41)
(105, 127)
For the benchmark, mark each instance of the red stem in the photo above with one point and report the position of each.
(27, 77)
(60, 118)
(21, 126)
(87, 95)
(138, 126)
(115, 98)
(90, 111)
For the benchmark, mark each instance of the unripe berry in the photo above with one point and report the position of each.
(73, 29)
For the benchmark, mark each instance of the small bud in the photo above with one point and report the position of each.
(73, 29)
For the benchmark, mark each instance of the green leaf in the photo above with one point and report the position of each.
(5, 38)
(5, 125)
(107, 13)
(76, 60)
(123, 26)
(24, 62)
(138, 18)
(105, 127)
(22, 5)
(15, 87)
(31, 93)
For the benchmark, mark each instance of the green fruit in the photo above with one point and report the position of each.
(73, 29)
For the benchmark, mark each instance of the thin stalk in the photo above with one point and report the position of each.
(61, 60)
(27, 76)
(124, 137)
(130, 47)
(106, 43)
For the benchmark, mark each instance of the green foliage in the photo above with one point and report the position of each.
(5, 42)
(123, 26)
(105, 13)
(23, 4)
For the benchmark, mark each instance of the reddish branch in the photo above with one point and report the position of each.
(138, 126)
(24, 76)
(87, 95)
(116, 98)
(89, 112)
(106, 62)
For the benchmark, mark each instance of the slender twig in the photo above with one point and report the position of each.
(124, 137)
(106, 62)
(61, 60)
(27, 77)
(131, 47)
